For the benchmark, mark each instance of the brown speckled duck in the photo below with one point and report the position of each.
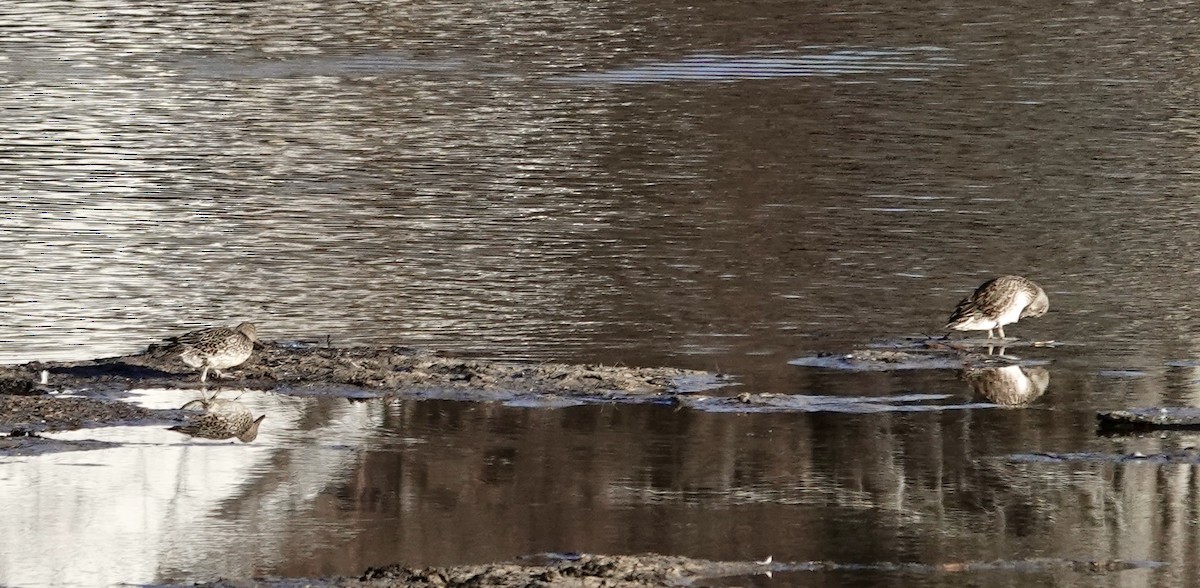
(998, 302)
(215, 348)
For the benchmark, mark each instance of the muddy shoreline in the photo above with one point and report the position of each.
(29, 400)
(397, 370)
(33, 398)
(646, 571)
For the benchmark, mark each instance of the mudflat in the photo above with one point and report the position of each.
(393, 369)
(647, 571)
(28, 399)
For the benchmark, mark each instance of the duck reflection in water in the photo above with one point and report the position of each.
(220, 419)
(1011, 385)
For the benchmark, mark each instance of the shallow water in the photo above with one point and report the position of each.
(721, 185)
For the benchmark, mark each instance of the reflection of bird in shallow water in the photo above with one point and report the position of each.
(1011, 385)
(998, 302)
(216, 348)
(221, 419)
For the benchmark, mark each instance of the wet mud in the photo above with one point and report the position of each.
(22, 417)
(1147, 419)
(50, 413)
(651, 570)
(23, 443)
(28, 400)
(1189, 455)
(926, 354)
(300, 369)
(768, 402)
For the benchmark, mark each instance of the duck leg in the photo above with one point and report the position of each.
(1001, 329)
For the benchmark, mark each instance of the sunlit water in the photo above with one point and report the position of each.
(719, 185)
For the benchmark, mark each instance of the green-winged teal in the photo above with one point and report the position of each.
(215, 348)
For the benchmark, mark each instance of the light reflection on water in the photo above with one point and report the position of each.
(729, 68)
(164, 503)
(783, 179)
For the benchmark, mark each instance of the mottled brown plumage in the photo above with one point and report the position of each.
(1012, 385)
(221, 419)
(998, 302)
(215, 348)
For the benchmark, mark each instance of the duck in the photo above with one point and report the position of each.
(998, 302)
(214, 348)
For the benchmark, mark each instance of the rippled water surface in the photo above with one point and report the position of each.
(718, 185)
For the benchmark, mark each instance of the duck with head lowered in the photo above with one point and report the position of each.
(998, 302)
(215, 348)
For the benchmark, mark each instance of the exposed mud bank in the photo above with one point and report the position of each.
(24, 444)
(1148, 419)
(767, 402)
(48, 413)
(26, 402)
(396, 370)
(586, 570)
(1189, 455)
(644, 571)
(926, 354)
(22, 417)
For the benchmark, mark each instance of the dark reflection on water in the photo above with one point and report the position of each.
(783, 179)
(484, 482)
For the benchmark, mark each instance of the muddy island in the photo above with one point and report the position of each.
(373, 371)
(648, 571)
(28, 400)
